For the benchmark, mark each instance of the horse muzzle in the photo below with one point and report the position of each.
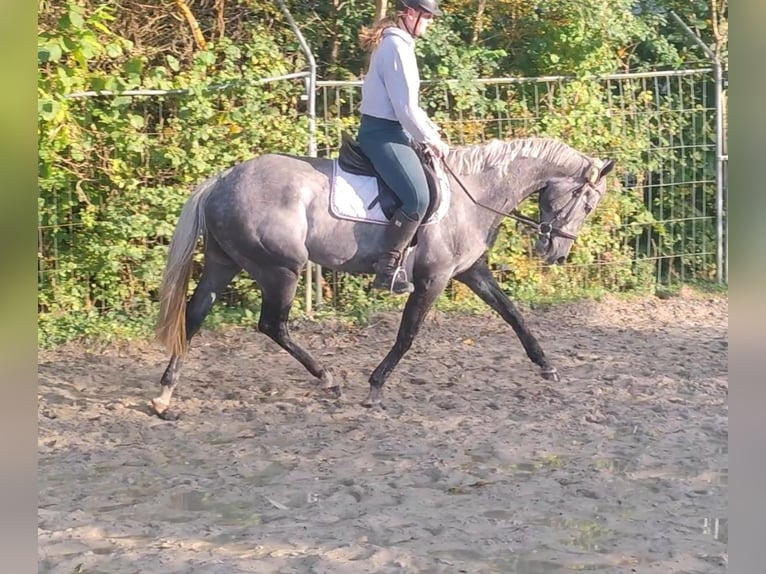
(551, 255)
(543, 245)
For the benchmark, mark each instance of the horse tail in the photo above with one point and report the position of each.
(171, 323)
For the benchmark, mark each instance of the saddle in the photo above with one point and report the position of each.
(352, 160)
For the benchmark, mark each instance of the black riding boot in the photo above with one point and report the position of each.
(388, 272)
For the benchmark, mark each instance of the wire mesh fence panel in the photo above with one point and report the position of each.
(110, 191)
(658, 126)
(109, 200)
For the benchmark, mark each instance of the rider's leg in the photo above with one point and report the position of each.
(387, 146)
(388, 274)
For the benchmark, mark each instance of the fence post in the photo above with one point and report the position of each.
(310, 98)
(719, 154)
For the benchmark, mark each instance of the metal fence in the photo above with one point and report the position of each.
(666, 125)
(663, 129)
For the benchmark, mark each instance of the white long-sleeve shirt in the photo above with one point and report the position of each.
(391, 87)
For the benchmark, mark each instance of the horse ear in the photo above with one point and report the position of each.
(599, 169)
(606, 168)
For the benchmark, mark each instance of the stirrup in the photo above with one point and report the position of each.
(401, 275)
(394, 282)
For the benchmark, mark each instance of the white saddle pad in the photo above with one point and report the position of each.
(352, 195)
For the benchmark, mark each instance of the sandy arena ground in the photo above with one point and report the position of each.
(478, 465)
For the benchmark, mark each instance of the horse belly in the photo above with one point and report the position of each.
(342, 245)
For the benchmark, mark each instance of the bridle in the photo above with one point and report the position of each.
(545, 229)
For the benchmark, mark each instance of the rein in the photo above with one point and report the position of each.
(544, 228)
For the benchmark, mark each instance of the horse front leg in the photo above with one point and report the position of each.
(479, 278)
(418, 304)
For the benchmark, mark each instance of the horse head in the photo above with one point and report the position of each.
(565, 203)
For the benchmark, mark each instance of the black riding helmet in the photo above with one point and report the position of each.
(429, 6)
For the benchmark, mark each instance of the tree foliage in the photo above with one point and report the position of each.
(114, 171)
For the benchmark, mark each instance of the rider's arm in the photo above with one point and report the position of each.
(402, 81)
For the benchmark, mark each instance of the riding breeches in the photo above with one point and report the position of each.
(387, 146)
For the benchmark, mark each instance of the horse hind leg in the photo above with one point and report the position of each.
(278, 286)
(217, 274)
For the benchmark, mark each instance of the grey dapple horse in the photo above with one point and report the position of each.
(270, 215)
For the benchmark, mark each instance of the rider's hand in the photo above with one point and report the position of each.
(440, 149)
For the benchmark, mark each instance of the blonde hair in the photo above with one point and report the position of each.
(370, 36)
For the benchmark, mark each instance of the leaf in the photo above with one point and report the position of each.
(98, 83)
(48, 109)
(113, 50)
(121, 101)
(75, 17)
(101, 27)
(206, 57)
(134, 66)
(137, 121)
(91, 47)
(112, 84)
(173, 62)
(50, 52)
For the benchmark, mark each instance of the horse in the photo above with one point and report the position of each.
(270, 216)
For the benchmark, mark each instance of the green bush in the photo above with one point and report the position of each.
(115, 171)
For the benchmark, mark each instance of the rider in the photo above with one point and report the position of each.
(391, 117)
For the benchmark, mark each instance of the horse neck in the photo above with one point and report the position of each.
(507, 172)
(505, 192)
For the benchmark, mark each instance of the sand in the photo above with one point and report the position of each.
(477, 464)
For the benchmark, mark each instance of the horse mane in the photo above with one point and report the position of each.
(499, 154)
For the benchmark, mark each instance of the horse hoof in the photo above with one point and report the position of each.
(160, 408)
(326, 382)
(374, 399)
(169, 416)
(550, 374)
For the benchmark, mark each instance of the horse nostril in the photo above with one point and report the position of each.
(561, 260)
